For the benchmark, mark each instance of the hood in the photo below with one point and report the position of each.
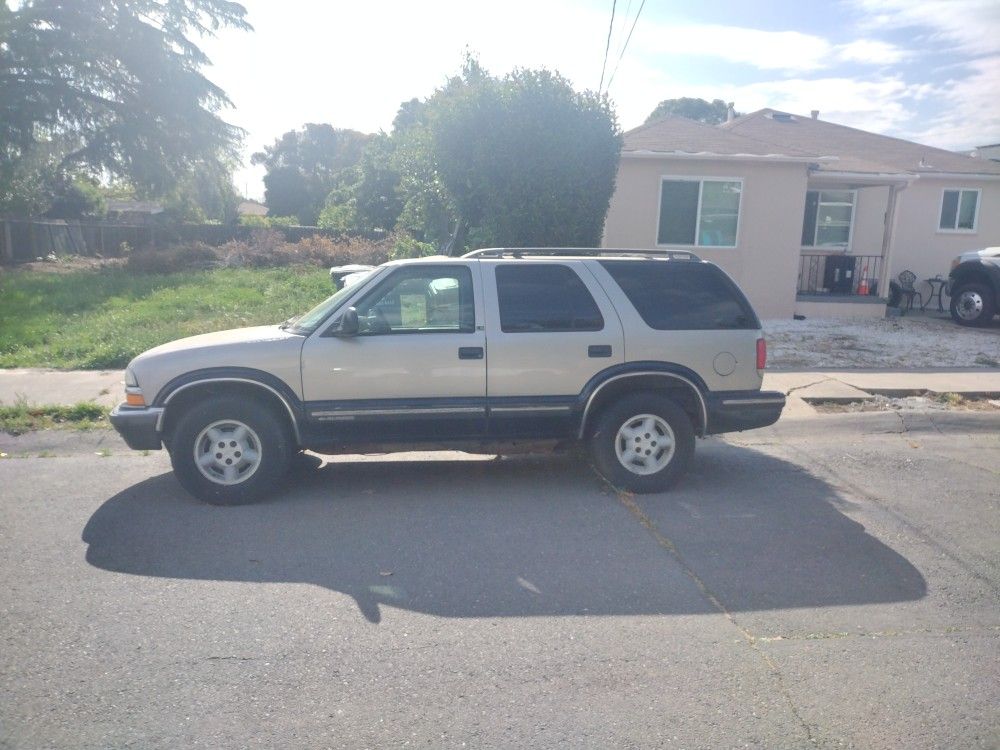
(235, 336)
(262, 349)
(989, 252)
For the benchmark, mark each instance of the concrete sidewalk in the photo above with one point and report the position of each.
(38, 386)
(68, 387)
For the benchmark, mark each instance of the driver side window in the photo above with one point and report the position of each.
(425, 299)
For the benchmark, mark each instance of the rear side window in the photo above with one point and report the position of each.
(544, 298)
(682, 296)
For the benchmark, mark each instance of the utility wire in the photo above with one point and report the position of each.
(607, 46)
(629, 37)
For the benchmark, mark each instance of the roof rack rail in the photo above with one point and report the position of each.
(597, 252)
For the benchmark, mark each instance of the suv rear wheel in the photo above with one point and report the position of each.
(642, 443)
(229, 451)
(972, 305)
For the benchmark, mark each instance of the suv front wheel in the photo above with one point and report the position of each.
(229, 451)
(642, 443)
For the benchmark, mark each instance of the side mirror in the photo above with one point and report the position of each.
(348, 325)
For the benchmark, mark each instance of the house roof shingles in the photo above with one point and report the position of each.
(856, 150)
(681, 136)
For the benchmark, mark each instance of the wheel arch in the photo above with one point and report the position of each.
(680, 384)
(193, 387)
(977, 273)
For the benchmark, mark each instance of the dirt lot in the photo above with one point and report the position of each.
(911, 341)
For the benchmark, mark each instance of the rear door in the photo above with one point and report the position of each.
(550, 328)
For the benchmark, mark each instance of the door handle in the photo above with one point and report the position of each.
(599, 350)
(470, 352)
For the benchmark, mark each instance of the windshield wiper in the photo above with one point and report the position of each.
(291, 321)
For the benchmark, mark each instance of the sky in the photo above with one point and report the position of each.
(926, 71)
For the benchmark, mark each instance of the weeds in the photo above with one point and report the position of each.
(21, 417)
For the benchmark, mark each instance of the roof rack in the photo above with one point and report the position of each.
(597, 252)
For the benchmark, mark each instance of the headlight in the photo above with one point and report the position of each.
(130, 380)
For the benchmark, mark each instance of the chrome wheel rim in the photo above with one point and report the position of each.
(969, 305)
(227, 452)
(645, 444)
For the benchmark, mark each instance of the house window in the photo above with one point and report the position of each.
(828, 218)
(959, 209)
(701, 212)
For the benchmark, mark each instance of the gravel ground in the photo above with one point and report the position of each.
(912, 341)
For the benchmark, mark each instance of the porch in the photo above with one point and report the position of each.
(846, 239)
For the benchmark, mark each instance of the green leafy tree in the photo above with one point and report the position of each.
(303, 166)
(205, 193)
(118, 83)
(524, 159)
(711, 113)
(77, 198)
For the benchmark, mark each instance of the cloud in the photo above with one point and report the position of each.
(765, 50)
(871, 51)
(967, 111)
(967, 26)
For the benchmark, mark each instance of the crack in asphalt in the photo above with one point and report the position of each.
(627, 500)
(902, 632)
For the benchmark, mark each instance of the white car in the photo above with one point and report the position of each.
(632, 353)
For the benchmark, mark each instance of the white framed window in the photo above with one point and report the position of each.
(829, 218)
(959, 210)
(699, 211)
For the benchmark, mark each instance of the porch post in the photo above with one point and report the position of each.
(887, 245)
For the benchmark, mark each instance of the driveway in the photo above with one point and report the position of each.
(824, 583)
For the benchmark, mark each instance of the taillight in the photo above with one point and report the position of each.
(761, 354)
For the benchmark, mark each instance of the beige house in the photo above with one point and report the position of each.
(809, 217)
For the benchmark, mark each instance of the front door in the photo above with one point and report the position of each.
(416, 371)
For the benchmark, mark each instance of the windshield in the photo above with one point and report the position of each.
(307, 323)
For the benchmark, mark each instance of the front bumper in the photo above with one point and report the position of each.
(138, 426)
(734, 411)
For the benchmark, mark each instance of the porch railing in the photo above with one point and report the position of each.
(840, 275)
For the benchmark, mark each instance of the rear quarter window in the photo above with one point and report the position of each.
(682, 295)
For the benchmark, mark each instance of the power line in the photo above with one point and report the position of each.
(629, 37)
(607, 46)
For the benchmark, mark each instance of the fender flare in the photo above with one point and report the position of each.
(256, 378)
(641, 369)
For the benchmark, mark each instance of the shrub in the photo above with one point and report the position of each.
(175, 258)
(268, 248)
(405, 246)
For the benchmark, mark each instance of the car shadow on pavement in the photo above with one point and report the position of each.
(518, 537)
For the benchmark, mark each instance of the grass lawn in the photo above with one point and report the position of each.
(101, 319)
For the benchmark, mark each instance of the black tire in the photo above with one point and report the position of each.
(605, 443)
(973, 305)
(266, 437)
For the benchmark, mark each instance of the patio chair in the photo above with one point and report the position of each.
(906, 279)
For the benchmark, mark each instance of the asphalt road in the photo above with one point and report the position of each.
(830, 582)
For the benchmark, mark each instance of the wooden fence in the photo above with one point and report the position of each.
(25, 240)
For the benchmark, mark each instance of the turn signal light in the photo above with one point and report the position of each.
(761, 354)
(135, 399)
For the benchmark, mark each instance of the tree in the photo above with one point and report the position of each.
(524, 159)
(712, 113)
(520, 160)
(118, 82)
(303, 166)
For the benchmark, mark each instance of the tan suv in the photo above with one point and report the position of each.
(632, 353)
